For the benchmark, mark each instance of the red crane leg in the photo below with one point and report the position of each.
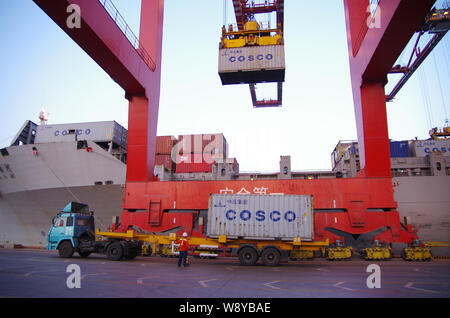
(141, 147)
(143, 110)
(374, 43)
(370, 109)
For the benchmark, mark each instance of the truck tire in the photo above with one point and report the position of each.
(65, 249)
(271, 256)
(114, 252)
(248, 256)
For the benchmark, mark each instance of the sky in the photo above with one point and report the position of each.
(42, 67)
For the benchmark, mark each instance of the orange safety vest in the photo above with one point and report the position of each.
(184, 244)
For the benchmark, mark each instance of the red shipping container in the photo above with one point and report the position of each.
(165, 160)
(186, 163)
(214, 144)
(196, 158)
(164, 145)
(184, 167)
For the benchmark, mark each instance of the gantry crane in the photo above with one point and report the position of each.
(348, 210)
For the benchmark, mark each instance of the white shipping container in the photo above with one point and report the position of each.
(261, 216)
(95, 131)
(251, 58)
(423, 148)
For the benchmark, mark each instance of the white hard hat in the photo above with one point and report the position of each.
(185, 234)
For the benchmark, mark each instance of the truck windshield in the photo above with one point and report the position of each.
(60, 221)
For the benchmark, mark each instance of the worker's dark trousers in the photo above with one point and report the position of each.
(182, 256)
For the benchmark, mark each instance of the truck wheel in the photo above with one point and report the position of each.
(248, 256)
(114, 252)
(65, 249)
(271, 256)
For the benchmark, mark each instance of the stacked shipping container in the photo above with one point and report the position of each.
(198, 153)
(192, 153)
(163, 152)
(102, 131)
(399, 149)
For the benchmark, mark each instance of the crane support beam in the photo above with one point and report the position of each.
(100, 37)
(437, 23)
(136, 70)
(376, 37)
(409, 71)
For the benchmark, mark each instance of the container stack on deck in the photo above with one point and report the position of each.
(408, 158)
(198, 153)
(164, 145)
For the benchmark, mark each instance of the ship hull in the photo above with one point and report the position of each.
(34, 186)
(26, 216)
(425, 200)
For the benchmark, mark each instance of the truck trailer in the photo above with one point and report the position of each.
(272, 228)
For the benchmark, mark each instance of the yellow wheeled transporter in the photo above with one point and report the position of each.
(377, 252)
(417, 252)
(339, 252)
(271, 253)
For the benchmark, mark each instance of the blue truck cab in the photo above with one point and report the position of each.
(69, 227)
(73, 230)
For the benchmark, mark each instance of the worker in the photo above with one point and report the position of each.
(184, 247)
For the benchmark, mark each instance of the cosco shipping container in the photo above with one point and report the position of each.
(103, 131)
(264, 217)
(252, 64)
(423, 148)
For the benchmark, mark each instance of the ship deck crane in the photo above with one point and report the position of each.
(344, 208)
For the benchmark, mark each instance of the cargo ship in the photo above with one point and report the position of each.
(49, 165)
